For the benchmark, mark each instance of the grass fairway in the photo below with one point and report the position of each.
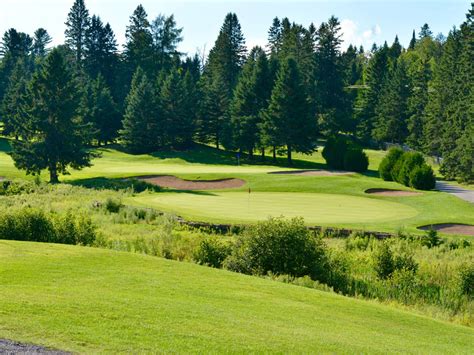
(315, 208)
(92, 300)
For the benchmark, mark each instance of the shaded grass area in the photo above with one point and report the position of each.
(53, 295)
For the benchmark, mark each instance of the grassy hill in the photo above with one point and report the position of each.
(91, 300)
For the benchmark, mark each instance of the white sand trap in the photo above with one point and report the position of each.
(174, 182)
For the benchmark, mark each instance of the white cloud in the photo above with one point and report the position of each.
(353, 34)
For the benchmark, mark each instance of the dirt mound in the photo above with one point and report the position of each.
(312, 172)
(389, 192)
(451, 228)
(173, 182)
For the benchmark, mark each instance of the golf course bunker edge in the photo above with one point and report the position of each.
(391, 193)
(451, 228)
(169, 181)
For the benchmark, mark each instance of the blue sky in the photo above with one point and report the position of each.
(363, 22)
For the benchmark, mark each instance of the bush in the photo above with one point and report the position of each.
(36, 226)
(341, 153)
(112, 205)
(212, 252)
(384, 264)
(431, 239)
(281, 247)
(388, 163)
(334, 152)
(407, 163)
(10, 188)
(466, 280)
(422, 178)
(356, 160)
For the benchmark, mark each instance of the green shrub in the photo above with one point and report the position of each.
(342, 153)
(466, 280)
(212, 252)
(17, 187)
(36, 226)
(279, 246)
(422, 178)
(383, 260)
(407, 163)
(358, 242)
(112, 205)
(355, 159)
(388, 163)
(431, 239)
(405, 262)
(334, 152)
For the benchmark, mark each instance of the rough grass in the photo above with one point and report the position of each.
(90, 300)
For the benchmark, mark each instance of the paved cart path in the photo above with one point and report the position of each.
(465, 194)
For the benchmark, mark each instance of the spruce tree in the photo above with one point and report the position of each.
(77, 23)
(412, 44)
(100, 110)
(250, 99)
(53, 136)
(141, 120)
(166, 38)
(392, 110)
(288, 121)
(41, 41)
(139, 45)
(177, 124)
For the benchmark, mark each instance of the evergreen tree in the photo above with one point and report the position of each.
(141, 120)
(275, 36)
(392, 111)
(425, 31)
(166, 38)
(177, 124)
(100, 51)
(287, 121)
(54, 137)
(100, 110)
(332, 103)
(139, 46)
(41, 41)
(412, 44)
(77, 23)
(250, 99)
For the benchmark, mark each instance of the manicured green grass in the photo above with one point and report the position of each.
(315, 208)
(92, 300)
(319, 199)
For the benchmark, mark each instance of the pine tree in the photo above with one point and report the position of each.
(100, 51)
(392, 111)
(425, 31)
(77, 23)
(139, 46)
(288, 121)
(166, 38)
(250, 99)
(141, 119)
(275, 37)
(412, 44)
(100, 110)
(178, 127)
(54, 136)
(41, 41)
(333, 106)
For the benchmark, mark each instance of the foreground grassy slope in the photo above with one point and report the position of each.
(91, 300)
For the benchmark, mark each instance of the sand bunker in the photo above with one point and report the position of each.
(389, 192)
(451, 228)
(312, 172)
(173, 182)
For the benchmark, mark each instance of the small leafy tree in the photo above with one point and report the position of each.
(388, 162)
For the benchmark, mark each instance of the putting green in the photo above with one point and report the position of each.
(315, 208)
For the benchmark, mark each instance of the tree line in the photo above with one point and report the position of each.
(58, 102)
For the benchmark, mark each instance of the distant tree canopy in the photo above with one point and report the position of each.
(304, 85)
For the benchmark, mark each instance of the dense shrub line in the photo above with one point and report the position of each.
(407, 168)
(34, 225)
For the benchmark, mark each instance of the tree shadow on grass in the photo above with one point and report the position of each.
(130, 184)
(5, 145)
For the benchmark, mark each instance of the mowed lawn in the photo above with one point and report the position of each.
(337, 201)
(93, 300)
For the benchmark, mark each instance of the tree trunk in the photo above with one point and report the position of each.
(251, 154)
(274, 153)
(290, 161)
(53, 174)
(217, 141)
(263, 154)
